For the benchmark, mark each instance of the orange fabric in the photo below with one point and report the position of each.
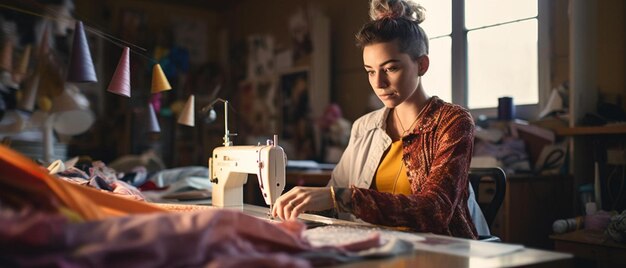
(20, 174)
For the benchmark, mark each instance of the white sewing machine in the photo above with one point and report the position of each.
(230, 166)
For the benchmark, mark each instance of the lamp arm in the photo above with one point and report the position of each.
(209, 107)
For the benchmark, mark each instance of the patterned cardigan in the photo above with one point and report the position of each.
(437, 155)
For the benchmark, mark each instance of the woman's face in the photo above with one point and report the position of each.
(393, 75)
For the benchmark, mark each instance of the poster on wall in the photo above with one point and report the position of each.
(298, 131)
(257, 106)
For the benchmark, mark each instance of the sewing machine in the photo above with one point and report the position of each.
(230, 166)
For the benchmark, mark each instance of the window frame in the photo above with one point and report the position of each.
(459, 62)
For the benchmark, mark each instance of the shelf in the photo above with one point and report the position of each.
(596, 130)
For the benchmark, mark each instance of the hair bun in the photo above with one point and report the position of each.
(395, 9)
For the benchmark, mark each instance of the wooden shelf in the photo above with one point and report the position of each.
(596, 130)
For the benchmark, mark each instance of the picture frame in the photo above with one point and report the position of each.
(298, 129)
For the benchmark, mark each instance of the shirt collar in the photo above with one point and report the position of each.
(426, 121)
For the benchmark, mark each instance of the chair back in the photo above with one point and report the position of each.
(497, 175)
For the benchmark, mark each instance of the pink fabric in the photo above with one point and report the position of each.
(208, 238)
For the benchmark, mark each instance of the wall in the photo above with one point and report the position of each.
(610, 49)
(349, 86)
(349, 83)
(559, 31)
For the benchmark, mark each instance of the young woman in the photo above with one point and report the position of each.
(406, 164)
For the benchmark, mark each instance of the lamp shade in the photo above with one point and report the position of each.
(71, 112)
(81, 67)
(159, 81)
(187, 116)
(120, 82)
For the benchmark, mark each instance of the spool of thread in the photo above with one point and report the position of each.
(506, 109)
(597, 221)
(567, 225)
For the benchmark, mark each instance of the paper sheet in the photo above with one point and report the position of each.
(465, 247)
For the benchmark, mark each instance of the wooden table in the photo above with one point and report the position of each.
(593, 247)
(526, 257)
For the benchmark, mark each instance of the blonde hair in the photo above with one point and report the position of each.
(395, 20)
(380, 9)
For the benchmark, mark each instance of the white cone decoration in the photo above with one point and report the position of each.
(187, 116)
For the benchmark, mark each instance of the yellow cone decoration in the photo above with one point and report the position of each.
(159, 81)
(6, 63)
(187, 117)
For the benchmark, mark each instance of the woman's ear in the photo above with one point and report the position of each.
(422, 63)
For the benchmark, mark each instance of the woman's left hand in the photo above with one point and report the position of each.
(301, 199)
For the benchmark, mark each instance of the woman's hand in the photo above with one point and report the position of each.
(301, 199)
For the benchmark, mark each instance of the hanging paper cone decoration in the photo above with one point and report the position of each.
(27, 103)
(159, 81)
(153, 123)
(187, 117)
(22, 68)
(120, 82)
(81, 66)
(6, 63)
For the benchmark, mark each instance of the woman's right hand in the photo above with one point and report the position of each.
(301, 199)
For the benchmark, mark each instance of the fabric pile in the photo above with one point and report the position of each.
(51, 222)
(98, 176)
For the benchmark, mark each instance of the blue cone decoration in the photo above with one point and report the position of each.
(81, 68)
(153, 123)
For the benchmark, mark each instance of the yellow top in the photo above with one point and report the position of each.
(391, 174)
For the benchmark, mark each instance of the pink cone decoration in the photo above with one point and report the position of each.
(27, 103)
(159, 81)
(81, 65)
(153, 123)
(6, 63)
(120, 83)
(187, 116)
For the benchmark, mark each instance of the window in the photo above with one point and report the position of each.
(481, 50)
